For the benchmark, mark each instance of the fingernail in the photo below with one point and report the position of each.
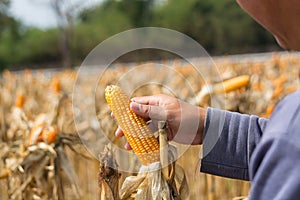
(117, 133)
(127, 146)
(134, 106)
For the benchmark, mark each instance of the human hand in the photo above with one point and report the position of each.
(185, 121)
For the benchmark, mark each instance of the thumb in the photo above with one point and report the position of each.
(148, 111)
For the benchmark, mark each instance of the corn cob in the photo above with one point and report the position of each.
(41, 132)
(56, 86)
(135, 129)
(20, 99)
(231, 84)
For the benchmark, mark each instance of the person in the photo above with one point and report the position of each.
(265, 151)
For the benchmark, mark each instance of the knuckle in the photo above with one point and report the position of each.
(146, 109)
(168, 114)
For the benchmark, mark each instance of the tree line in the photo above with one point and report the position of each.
(220, 26)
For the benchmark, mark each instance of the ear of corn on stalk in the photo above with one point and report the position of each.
(41, 131)
(231, 84)
(56, 86)
(220, 88)
(20, 99)
(135, 129)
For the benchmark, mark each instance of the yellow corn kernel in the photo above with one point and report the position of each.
(135, 129)
(231, 84)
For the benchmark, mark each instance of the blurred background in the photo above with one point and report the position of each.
(60, 33)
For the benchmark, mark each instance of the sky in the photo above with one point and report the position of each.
(39, 12)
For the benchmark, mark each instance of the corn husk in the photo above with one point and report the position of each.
(108, 177)
(150, 183)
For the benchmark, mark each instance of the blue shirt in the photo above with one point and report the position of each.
(247, 147)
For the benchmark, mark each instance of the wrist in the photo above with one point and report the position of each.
(199, 136)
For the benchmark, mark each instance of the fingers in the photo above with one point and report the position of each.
(147, 100)
(146, 107)
(119, 132)
(127, 146)
(148, 111)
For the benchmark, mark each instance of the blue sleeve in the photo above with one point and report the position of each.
(275, 163)
(229, 141)
(265, 151)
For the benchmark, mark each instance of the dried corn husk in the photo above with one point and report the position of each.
(150, 183)
(240, 198)
(108, 177)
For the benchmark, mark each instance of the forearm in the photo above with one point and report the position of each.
(228, 142)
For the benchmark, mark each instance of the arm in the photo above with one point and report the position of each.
(229, 141)
(275, 163)
(235, 141)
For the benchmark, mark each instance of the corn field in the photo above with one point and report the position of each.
(42, 156)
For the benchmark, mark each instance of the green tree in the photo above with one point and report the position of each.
(9, 32)
(3, 14)
(97, 24)
(220, 26)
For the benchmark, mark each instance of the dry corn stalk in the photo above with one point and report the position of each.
(108, 177)
(36, 156)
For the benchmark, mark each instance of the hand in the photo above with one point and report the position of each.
(185, 121)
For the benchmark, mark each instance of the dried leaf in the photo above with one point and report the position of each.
(105, 192)
(108, 172)
(131, 185)
(32, 158)
(240, 198)
(144, 190)
(181, 182)
(148, 184)
(4, 173)
(67, 167)
(23, 186)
